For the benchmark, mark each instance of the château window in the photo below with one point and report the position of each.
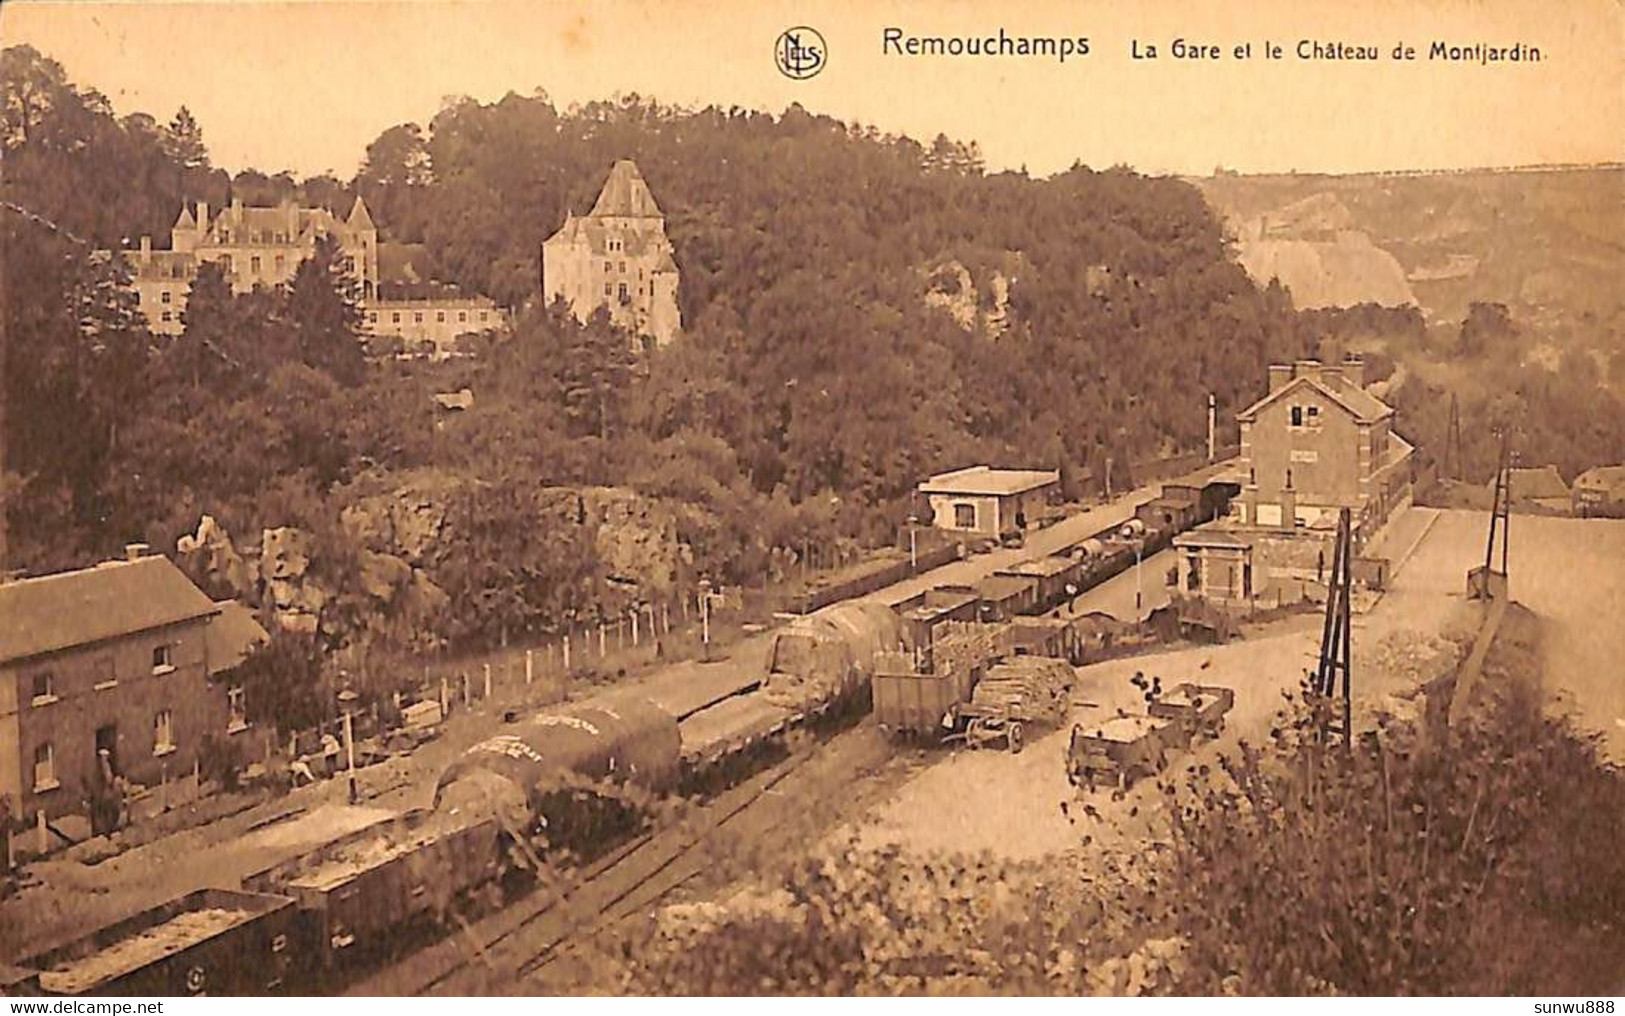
(162, 660)
(254, 266)
(44, 688)
(237, 703)
(280, 262)
(167, 316)
(623, 266)
(462, 316)
(163, 732)
(163, 297)
(440, 316)
(482, 315)
(607, 289)
(417, 317)
(45, 767)
(372, 317)
(395, 317)
(608, 266)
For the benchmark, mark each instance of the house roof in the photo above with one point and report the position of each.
(232, 635)
(54, 612)
(1600, 478)
(1536, 482)
(985, 480)
(625, 193)
(1358, 402)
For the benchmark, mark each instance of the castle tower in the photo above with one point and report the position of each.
(617, 256)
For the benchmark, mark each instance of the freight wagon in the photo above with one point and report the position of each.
(209, 942)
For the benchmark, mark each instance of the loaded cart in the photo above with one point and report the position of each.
(1013, 695)
(1119, 751)
(1198, 708)
(210, 942)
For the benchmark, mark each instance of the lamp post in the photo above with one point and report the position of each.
(705, 619)
(1139, 585)
(347, 698)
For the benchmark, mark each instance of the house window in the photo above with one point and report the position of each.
(462, 316)
(44, 688)
(417, 317)
(440, 316)
(607, 289)
(163, 732)
(167, 316)
(237, 703)
(45, 768)
(625, 294)
(396, 317)
(279, 262)
(623, 266)
(1297, 416)
(964, 516)
(162, 660)
(609, 266)
(372, 317)
(163, 297)
(1314, 415)
(225, 264)
(482, 315)
(254, 266)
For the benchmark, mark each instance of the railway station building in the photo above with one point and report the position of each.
(1316, 442)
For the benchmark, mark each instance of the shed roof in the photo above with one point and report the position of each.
(53, 612)
(1536, 482)
(1043, 567)
(995, 588)
(1201, 536)
(985, 480)
(232, 635)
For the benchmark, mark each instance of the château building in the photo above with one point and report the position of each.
(617, 257)
(254, 246)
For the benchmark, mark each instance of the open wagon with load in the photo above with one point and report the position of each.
(1119, 751)
(1198, 709)
(209, 942)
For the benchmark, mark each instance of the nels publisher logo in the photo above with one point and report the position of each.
(800, 53)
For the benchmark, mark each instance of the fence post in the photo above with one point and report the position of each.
(567, 652)
(467, 696)
(603, 643)
(634, 627)
(530, 667)
(445, 697)
(487, 680)
(665, 617)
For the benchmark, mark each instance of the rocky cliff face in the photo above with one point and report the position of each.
(975, 305)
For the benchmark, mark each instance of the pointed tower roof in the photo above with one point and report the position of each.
(625, 193)
(359, 219)
(185, 221)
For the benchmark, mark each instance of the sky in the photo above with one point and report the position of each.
(306, 85)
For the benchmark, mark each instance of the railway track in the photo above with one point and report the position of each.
(524, 938)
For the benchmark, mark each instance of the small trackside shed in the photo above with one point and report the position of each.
(988, 502)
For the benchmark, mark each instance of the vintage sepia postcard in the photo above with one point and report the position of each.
(654, 498)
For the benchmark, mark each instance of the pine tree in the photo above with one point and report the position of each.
(185, 141)
(324, 311)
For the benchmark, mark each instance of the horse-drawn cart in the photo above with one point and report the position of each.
(1011, 696)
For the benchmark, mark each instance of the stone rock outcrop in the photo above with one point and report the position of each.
(295, 597)
(950, 286)
(210, 555)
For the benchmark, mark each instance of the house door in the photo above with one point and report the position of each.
(107, 738)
